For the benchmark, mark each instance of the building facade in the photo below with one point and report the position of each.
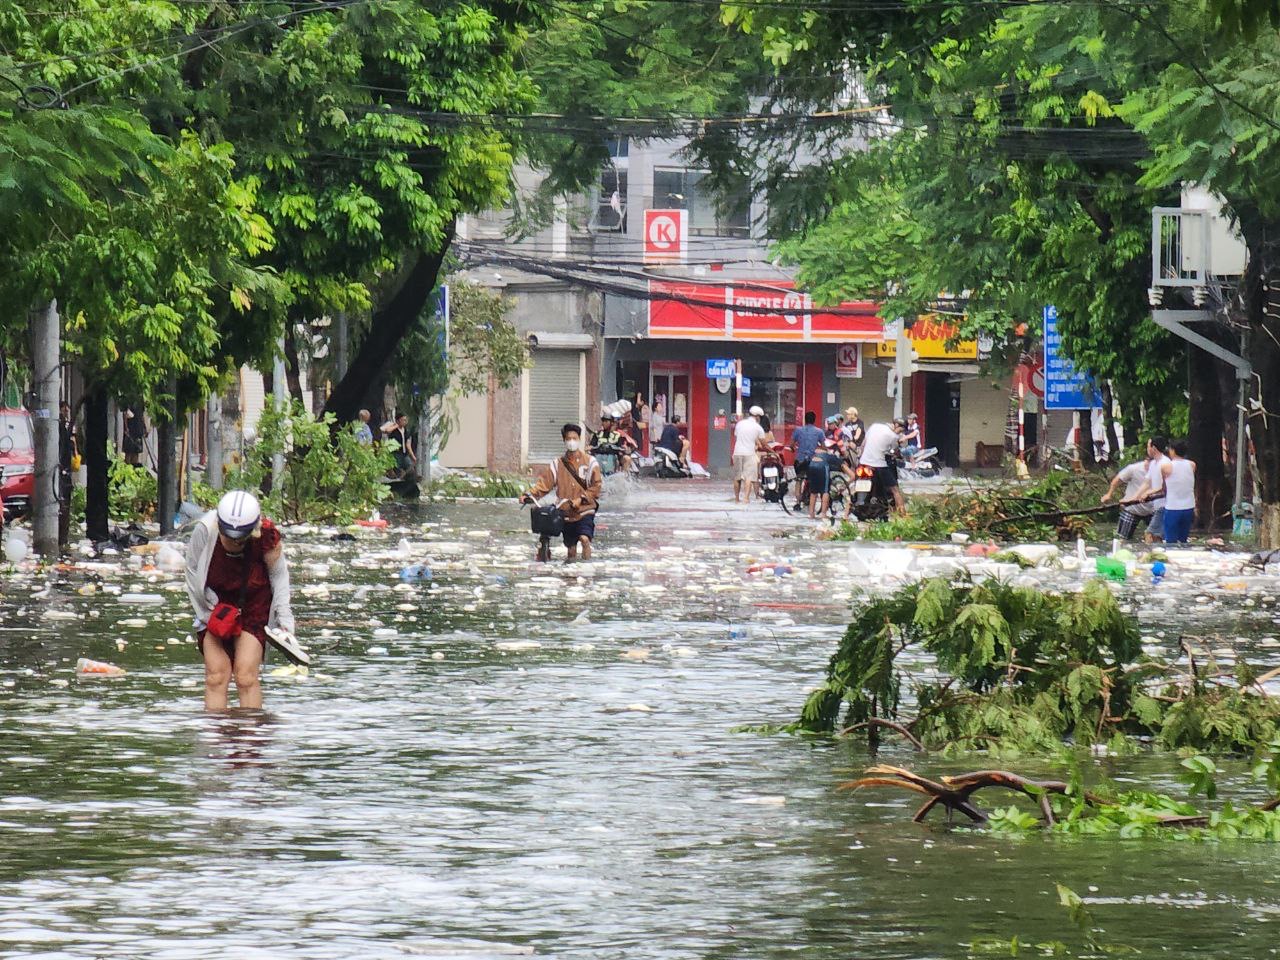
(652, 286)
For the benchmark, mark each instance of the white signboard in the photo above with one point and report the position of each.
(849, 360)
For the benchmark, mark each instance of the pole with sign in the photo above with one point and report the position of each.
(1065, 387)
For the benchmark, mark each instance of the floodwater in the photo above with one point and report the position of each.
(510, 759)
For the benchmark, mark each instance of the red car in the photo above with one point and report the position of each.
(17, 462)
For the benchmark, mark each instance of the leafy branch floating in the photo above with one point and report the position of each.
(1011, 670)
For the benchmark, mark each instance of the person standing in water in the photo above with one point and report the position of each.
(238, 582)
(1180, 493)
(576, 480)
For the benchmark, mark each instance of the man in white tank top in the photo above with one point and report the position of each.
(1179, 476)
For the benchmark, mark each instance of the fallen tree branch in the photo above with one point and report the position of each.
(890, 724)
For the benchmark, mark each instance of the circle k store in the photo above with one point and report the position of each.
(708, 351)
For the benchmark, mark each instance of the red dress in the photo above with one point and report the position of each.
(226, 579)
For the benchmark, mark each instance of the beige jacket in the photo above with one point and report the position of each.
(581, 502)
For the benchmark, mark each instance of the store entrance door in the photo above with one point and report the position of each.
(942, 417)
(669, 388)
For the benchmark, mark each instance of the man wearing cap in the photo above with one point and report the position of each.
(854, 431)
(609, 439)
(748, 436)
(238, 582)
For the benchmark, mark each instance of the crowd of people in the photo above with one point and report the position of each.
(1160, 490)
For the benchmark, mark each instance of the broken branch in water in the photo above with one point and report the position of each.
(954, 793)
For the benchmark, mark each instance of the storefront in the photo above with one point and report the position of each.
(781, 351)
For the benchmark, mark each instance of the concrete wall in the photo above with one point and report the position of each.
(468, 446)
(505, 434)
(867, 394)
(984, 407)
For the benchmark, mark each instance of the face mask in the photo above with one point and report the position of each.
(571, 446)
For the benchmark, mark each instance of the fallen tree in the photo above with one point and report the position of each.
(1010, 670)
(1066, 807)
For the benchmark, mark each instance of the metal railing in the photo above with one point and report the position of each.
(1179, 247)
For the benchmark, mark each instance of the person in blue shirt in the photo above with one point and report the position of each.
(364, 433)
(673, 441)
(805, 442)
(826, 460)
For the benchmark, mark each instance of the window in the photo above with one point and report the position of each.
(611, 201)
(690, 190)
(618, 147)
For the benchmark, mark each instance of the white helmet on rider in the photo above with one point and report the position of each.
(756, 412)
(238, 514)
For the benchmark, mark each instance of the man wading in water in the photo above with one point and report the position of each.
(238, 583)
(576, 480)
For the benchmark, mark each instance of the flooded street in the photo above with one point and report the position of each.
(508, 759)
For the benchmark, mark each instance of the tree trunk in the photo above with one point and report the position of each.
(167, 466)
(1260, 305)
(1109, 424)
(1205, 430)
(387, 327)
(293, 374)
(96, 509)
(46, 372)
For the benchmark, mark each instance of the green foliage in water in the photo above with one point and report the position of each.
(1012, 669)
(493, 486)
(329, 475)
(994, 510)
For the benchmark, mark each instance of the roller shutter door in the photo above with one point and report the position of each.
(554, 388)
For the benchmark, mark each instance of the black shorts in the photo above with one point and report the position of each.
(819, 477)
(887, 476)
(583, 527)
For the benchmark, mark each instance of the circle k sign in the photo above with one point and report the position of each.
(665, 233)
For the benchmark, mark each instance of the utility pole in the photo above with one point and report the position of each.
(47, 370)
(901, 365)
(213, 443)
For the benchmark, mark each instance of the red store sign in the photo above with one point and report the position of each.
(771, 310)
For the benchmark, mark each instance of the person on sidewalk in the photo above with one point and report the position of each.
(1152, 489)
(1133, 476)
(238, 583)
(748, 437)
(576, 479)
(1179, 475)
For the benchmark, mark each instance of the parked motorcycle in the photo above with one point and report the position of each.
(667, 465)
(772, 478)
(922, 465)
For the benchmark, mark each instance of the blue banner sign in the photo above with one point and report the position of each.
(1065, 387)
(720, 368)
(746, 386)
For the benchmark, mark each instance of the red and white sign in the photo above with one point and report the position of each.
(1031, 375)
(849, 360)
(719, 423)
(768, 310)
(666, 234)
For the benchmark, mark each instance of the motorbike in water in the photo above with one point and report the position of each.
(667, 465)
(772, 477)
(871, 502)
(921, 465)
(609, 456)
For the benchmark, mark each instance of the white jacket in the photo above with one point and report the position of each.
(199, 555)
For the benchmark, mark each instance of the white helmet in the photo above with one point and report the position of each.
(238, 514)
(756, 412)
